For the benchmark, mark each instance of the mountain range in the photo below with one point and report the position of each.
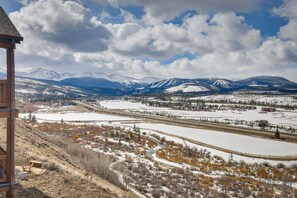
(45, 74)
(45, 82)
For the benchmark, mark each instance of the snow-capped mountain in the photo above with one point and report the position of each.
(185, 88)
(267, 82)
(98, 83)
(223, 83)
(186, 85)
(53, 75)
(45, 74)
(94, 75)
(149, 80)
(260, 83)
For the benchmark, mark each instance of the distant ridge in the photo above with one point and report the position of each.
(45, 74)
(98, 83)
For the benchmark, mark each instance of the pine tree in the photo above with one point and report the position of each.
(33, 119)
(277, 134)
(119, 140)
(138, 130)
(106, 139)
(131, 135)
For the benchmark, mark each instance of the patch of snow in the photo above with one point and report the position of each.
(222, 83)
(241, 143)
(75, 116)
(186, 88)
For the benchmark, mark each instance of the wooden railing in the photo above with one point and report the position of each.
(3, 93)
(3, 158)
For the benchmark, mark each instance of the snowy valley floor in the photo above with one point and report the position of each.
(146, 158)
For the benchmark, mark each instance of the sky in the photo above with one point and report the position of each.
(160, 38)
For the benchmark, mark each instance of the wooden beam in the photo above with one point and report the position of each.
(6, 114)
(10, 122)
(4, 189)
(6, 45)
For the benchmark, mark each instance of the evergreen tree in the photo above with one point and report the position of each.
(106, 138)
(33, 119)
(131, 135)
(138, 130)
(277, 134)
(119, 140)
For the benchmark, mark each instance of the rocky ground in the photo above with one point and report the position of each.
(64, 176)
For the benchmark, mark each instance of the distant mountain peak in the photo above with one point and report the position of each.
(122, 84)
(45, 74)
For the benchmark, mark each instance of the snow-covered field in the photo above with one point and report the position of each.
(225, 140)
(224, 155)
(121, 104)
(278, 100)
(230, 141)
(281, 118)
(74, 116)
(241, 143)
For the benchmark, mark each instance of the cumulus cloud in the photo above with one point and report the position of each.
(159, 11)
(54, 27)
(63, 34)
(288, 11)
(199, 34)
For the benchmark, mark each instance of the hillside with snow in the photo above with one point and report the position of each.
(186, 88)
(99, 83)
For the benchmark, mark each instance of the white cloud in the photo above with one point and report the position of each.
(199, 34)
(63, 35)
(51, 28)
(158, 11)
(288, 10)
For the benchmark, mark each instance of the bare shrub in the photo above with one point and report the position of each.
(52, 167)
(94, 162)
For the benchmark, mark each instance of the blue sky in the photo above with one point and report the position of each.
(192, 38)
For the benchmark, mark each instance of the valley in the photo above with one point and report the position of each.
(46, 84)
(167, 144)
(148, 99)
(207, 137)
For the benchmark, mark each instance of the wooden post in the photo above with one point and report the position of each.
(10, 120)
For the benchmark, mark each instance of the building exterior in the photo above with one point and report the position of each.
(9, 37)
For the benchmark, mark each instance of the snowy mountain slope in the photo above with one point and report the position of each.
(259, 83)
(26, 87)
(223, 83)
(45, 74)
(99, 83)
(186, 87)
(148, 80)
(267, 83)
(208, 84)
(87, 82)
